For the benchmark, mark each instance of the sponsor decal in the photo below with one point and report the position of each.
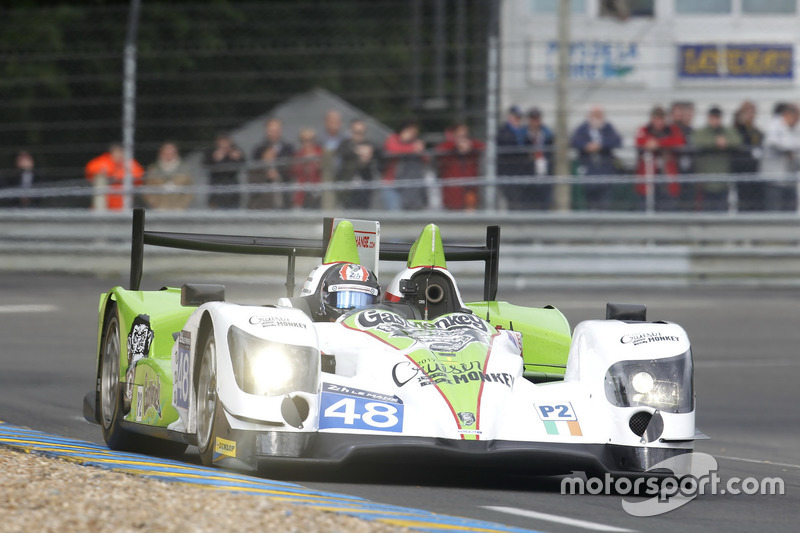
(462, 320)
(140, 338)
(224, 448)
(559, 418)
(374, 318)
(152, 395)
(182, 371)
(450, 373)
(555, 411)
(647, 338)
(275, 321)
(359, 393)
(467, 418)
(470, 432)
(446, 341)
(448, 335)
(353, 272)
(365, 241)
(139, 403)
(343, 411)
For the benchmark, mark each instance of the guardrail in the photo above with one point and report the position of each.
(536, 249)
(731, 193)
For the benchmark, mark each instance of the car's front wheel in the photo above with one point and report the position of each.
(207, 400)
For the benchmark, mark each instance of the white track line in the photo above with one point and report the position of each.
(757, 461)
(556, 518)
(27, 308)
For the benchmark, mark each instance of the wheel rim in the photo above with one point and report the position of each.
(109, 379)
(206, 395)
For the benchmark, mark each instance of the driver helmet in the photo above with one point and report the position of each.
(348, 286)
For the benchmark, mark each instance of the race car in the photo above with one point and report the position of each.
(351, 370)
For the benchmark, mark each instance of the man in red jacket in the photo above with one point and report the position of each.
(307, 169)
(111, 165)
(459, 157)
(405, 161)
(656, 143)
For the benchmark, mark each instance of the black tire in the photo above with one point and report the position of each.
(110, 397)
(207, 399)
(110, 393)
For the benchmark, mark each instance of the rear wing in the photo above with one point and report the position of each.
(292, 248)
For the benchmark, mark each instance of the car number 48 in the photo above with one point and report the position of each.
(340, 411)
(379, 415)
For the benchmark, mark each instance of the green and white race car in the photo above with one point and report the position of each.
(351, 370)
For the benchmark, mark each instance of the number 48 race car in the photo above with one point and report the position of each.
(354, 371)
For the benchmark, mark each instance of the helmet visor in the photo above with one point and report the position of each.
(352, 299)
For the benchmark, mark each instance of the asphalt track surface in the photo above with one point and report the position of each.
(747, 371)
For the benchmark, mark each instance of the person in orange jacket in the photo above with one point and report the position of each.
(111, 165)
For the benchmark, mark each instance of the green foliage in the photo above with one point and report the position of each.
(205, 67)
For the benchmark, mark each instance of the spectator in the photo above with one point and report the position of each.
(777, 109)
(715, 145)
(110, 167)
(358, 164)
(656, 143)
(781, 145)
(275, 157)
(170, 174)
(264, 172)
(307, 168)
(512, 159)
(748, 159)
(405, 160)
(540, 138)
(459, 157)
(331, 139)
(22, 177)
(595, 140)
(682, 116)
(223, 162)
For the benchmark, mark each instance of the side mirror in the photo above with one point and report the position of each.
(626, 312)
(194, 294)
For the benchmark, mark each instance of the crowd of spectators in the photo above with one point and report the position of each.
(396, 175)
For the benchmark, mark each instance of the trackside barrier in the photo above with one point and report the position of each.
(536, 249)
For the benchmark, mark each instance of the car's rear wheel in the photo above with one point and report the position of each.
(110, 397)
(207, 400)
(110, 394)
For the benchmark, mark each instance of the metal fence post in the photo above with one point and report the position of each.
(491, 107)
(129, 103)
(733, 196)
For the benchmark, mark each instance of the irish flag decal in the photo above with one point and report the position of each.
(559, 418)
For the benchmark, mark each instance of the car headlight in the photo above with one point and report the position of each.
(269, 368)
(664, 384)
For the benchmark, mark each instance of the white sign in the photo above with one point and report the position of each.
(368, 241)
(589, 61)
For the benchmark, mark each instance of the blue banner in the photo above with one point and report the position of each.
(736, 61)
